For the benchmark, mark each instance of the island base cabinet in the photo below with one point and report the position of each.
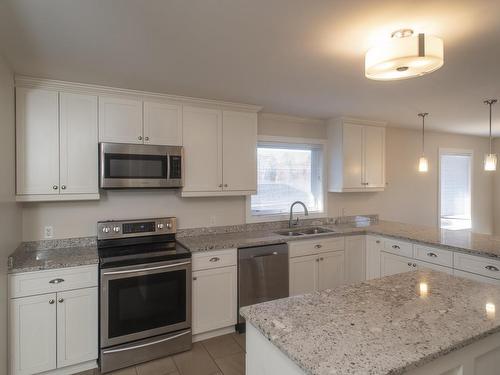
(214, 299)
(33, 334)
(391, 264)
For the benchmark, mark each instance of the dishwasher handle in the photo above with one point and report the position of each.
(265, 255)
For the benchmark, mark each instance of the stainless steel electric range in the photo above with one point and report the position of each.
(145, 292)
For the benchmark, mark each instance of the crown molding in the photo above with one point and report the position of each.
(75, 87)
(291, 119)
(358, 121)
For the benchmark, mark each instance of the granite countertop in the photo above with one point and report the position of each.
(44, 255)
(463, 241)
(383, 326)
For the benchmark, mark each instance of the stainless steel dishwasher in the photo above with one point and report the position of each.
(262, 276)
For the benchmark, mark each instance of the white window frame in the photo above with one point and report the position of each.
(279, 217)
(456, 151)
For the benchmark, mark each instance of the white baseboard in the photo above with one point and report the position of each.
(214, 333)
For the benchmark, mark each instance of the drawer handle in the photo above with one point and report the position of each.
(492, 268)
(195, 278)
(414, 264)
(318, 246)
(322, 259)
(378, 241)
(396, 247)
(51, 301)
(409, 264)
(432, 255)
(214, 259)
(56, 281)
(60, 300)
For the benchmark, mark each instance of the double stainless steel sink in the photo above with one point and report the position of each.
(311, 231)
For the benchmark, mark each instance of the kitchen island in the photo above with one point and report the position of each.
(420, 322)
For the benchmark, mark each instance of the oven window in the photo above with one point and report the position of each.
(142, 303)
(135, 166)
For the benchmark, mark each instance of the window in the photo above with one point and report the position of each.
(288, 172)
(455, 170)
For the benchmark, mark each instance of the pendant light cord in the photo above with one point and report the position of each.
(423, 130)
(490, 102)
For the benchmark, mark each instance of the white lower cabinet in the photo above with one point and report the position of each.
(374, 246)
(55, 330)
(355, 259)
(391, 264)
(33, 334)
(331, 270)
(476, 277)
(214, 291)
(303, 274)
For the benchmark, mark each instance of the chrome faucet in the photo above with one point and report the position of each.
(306, 212)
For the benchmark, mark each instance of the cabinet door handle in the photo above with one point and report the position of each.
(56, 281)
(317, 259)
(220, 185)
(409, 264)
(318, 246)
(63, 187)
(378, 241)
(60, 300)
(414, 264)
(432, 255)
(322, 259)
(396, 247)
(51, 301)
(146, 138)
(214, 259)
(492, 268)
(139, 138)
(55, 187)
(195, 278)
(225, 185)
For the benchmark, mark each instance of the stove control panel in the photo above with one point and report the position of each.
(135, 228)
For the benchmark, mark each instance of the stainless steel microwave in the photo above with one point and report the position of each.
(132, 166)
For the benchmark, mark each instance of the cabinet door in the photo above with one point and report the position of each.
(78, 144)
(391, 264)
(37, 141)
(473, 276)
(239, 151)
(162, 124)
(352, 149)
(120, 120)
(355, 259)
(214, 299)
(202, 139)
(303, 274)
(32, 334)
(331, 270)
(76, 326)
(374, 246)
(436, 267)
(374, 157)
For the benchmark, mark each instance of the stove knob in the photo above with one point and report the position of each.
(105, 229)
(116, 229)
(169, 225)
(160, 225)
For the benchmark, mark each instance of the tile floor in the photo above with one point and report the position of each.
(223, 355)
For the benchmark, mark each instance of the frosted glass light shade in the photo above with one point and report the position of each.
(490, 162)
(404, 57)
(423, 164)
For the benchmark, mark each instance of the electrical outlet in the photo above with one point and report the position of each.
(213, 220)
(48, 231)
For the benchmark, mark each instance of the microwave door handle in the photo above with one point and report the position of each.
(168, 166)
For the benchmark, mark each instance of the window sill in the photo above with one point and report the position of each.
(284, 217)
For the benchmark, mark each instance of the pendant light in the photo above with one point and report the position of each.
(423, 164)
(490, 160)
(404, 55)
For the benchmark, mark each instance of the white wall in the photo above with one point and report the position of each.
(412, 197)
(409, 197)
(10, 217)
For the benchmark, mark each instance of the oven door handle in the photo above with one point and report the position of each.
(147, 344)
(145, 269)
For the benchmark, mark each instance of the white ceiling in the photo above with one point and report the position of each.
(299, 57)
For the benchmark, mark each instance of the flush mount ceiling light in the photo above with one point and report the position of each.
(404, 55)
(490, 160)
(423, 164)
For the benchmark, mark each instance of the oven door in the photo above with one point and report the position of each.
(146, 300)
(140, 166)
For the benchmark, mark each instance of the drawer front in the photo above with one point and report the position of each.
(434, 255)
(475, 277)
(483, 266)
(315, 246)
(50, 281)
(398, 247)
(205, 260)
(432, 266)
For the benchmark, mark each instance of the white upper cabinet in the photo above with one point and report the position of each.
(239, 155)
(120, 120)
(78, 144)
(219, 152)
(56, 156)
(202, 138)
(37, 141)
(356, 155)
(162, 123)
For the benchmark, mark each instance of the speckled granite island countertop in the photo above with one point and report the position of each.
(384, 326)
(463, 241)
(51, 254)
